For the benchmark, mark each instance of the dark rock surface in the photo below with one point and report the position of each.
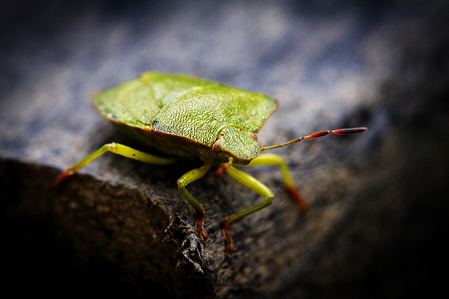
(378, 214)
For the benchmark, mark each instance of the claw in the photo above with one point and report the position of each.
(199, 225)
(228, 238)
(303, 205)
(62, 178)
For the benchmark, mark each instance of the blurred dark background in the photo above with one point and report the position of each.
(380, 64)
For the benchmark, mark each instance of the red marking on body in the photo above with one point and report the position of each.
(220, 171)
(254, 135)
(217, 147)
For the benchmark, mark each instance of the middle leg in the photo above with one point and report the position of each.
(256, 186)
(273, 159)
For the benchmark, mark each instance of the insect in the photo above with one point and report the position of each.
(187, 117)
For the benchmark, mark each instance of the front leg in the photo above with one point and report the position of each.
(186, 179)
(256, 186)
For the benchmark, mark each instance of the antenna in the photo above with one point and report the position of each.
(318, 134)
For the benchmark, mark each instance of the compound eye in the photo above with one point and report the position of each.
(217, 147)
(254, 135)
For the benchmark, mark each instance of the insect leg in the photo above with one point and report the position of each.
(273, 159)
(186, 179)
(115, 148)
(254, 185)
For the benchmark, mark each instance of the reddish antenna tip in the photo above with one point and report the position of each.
(317, 134)
(349, 131)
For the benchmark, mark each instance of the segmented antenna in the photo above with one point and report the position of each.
(316, 135)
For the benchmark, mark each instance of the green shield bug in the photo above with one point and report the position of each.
(187, 117)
